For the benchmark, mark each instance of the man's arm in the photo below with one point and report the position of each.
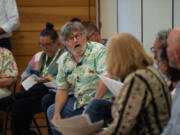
(102, 89)
(12, 15)
(61, 99)
(9, 69)
(6, 82)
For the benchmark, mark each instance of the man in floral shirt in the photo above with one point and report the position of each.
(8, 71)
(78, 69)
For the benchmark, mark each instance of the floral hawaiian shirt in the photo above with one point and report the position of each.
(8, 67)
(82, 76)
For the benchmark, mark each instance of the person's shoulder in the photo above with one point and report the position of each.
(149, 74)
(64, 56)
(135, 78)
(61, 53)
(4, 51)
(95, 46)
(140, 73)
(38, 54)
(145, 72)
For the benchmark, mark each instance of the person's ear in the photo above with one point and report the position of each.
(177, 54)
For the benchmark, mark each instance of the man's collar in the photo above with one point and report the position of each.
(88, 49)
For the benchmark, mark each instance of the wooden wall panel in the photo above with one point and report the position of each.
(34, 18)
(26, 43)
(22, 62)
(55, 2)
(92, 16)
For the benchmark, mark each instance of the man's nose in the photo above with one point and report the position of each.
(75, 39)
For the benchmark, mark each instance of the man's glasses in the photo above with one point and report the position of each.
(46, 44)
(71, 38)
(152, 50)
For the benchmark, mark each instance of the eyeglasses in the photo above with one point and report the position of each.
(46, 44)
(71, 38)
(152, 50)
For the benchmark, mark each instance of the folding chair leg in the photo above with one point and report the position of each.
(36, 124)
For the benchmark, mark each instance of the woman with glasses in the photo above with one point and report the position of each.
(45, 65)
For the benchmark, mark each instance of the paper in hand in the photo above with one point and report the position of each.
(77, 125)
(113, 85)
(30, 81)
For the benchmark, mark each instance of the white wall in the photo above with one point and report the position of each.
(157, 15)
(129, 17)
(108, 17)
(125, 16)
(176, 13)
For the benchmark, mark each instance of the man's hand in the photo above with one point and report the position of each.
(56, 117)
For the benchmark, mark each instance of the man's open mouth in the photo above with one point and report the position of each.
(77, 45)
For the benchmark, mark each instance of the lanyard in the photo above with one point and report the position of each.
(45, 69)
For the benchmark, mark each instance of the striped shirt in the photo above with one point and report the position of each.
(143, 105)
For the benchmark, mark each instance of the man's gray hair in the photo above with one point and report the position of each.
(68, 28)
(163, 35)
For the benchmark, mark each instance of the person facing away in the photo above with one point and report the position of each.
(9, 21)
(27, 103)
(173, 52)
(8, 72)
(93, 33)
(143, 105)
(78, 70)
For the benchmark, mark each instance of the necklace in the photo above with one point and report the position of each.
(46, 67)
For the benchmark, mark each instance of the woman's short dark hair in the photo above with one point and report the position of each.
(75, 19)
(49, 31)
(172, 73)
